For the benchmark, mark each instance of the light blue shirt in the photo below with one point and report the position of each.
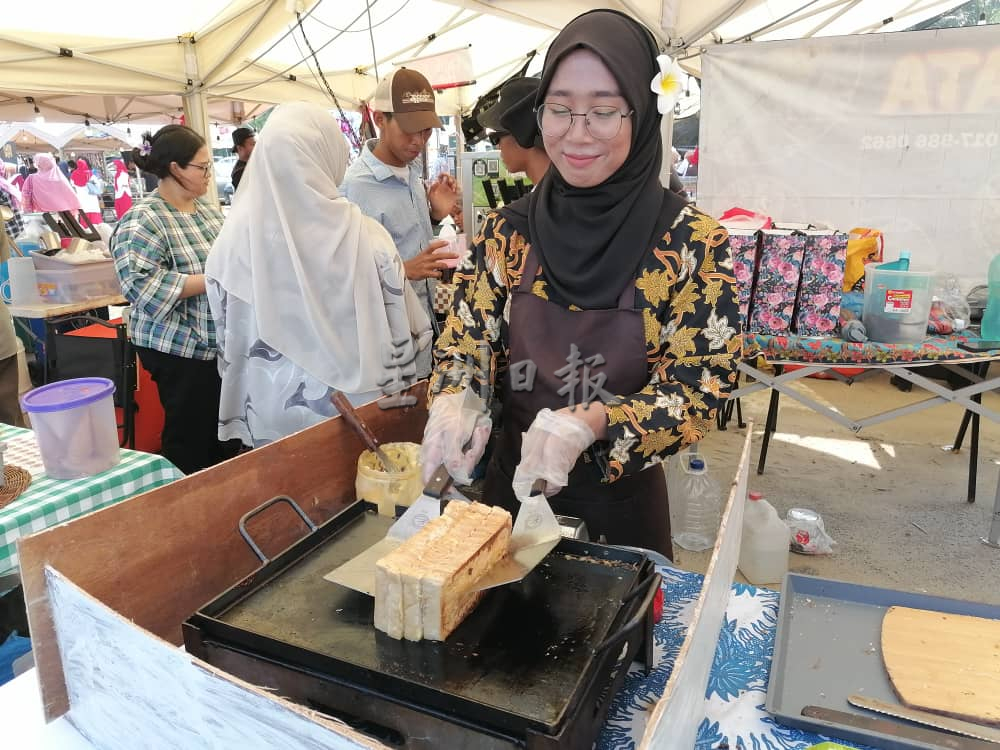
(401, 207)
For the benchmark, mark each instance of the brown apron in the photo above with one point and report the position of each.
(631, 511)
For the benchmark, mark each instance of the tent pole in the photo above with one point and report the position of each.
(196, 106)
(234, 47)
(845, 9)
(459, 141)
(491, 9)
(667, 138)
(654, 26)
(54, 51)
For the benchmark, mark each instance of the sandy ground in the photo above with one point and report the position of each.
(875, 489)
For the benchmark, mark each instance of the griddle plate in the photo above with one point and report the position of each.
(523, 651)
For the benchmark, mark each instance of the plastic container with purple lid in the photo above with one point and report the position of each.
(75, 425)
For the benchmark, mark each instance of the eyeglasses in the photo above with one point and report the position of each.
(603, 123)
(496, 135)
(205, 168)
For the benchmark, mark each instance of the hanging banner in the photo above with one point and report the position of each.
(899, 131)
(444, 70)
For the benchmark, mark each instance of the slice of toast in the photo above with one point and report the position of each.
(446, 590)
(423, 587)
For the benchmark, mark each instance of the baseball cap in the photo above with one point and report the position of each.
(514, 112)
(240, 136)
(410, 98)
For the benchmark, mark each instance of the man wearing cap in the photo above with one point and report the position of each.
(515, 129)
(385, 182)
(244, 139)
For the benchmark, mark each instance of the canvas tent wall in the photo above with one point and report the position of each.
(895, 131)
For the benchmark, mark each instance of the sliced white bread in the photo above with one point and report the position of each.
(423, 587)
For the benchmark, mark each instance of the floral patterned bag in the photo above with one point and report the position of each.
(777, 284)
(821, 286)
(745, 245)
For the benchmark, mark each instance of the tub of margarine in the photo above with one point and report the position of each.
(385, 488)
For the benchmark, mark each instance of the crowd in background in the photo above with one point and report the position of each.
(321, 280)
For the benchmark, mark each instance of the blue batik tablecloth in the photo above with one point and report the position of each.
(734, 700)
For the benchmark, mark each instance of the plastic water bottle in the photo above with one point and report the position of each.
(700, 506)
(764, 548)
(991, 316)
(28, 239)
(900, 264)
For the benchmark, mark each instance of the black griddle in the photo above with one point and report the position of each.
(533, 666)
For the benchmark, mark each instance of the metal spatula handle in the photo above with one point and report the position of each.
(352, 418)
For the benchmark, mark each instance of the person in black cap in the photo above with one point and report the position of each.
(244, 139)
(515, 129)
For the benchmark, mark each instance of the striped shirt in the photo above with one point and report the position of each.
(155, 247)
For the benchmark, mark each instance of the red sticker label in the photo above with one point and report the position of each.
(899, 301)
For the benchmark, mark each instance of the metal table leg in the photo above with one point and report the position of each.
(993, 538)
(960, 437)
(979, 370)
(974, 454)
(770, 424)
(725, 414)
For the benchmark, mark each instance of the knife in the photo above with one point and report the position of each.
(948, 724)
(932, 737)
(354, 419)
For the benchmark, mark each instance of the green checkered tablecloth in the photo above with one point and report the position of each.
(48, 502)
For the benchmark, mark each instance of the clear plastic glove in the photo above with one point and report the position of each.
(549, 451)
(450, 425)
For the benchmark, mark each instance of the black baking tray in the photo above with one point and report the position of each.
(523, 662)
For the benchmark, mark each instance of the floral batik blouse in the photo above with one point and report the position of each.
(686, 291)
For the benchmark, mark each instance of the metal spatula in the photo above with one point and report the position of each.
(535, 534)
(428, 505)
(358, 573)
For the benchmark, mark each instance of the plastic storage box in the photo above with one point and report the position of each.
(74, 423)
(897, 305)
(78, 283)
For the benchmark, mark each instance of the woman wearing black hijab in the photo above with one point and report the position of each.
(600, 286)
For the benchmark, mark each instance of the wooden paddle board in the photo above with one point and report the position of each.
(943, 662)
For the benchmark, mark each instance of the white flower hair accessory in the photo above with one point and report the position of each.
(146, 148)
(667, 83)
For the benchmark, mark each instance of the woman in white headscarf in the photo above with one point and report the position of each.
(308, 294)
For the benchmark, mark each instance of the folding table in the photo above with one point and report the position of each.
(810, 355)
(49, 501)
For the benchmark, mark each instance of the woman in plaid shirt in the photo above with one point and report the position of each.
(160, 248)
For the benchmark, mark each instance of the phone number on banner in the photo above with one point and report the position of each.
(964, 139)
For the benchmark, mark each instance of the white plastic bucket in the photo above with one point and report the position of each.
(75, 425)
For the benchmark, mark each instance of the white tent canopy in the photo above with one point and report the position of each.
(33, 138)
(223, 60)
